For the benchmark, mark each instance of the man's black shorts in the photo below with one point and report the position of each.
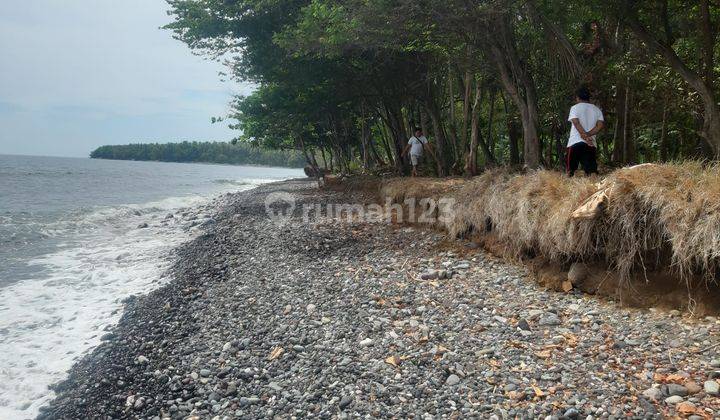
(581, 153)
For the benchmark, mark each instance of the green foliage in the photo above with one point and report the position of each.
(347, 79)
(201, 152)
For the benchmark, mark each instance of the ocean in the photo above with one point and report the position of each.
(73, 246)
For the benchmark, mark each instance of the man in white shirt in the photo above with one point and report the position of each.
(416, 145)
(586, 121)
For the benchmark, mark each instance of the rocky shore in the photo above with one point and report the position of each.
(338, 319)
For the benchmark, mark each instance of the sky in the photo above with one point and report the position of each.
(78, 74)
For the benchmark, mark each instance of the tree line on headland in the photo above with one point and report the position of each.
(489, 81)
(202, 152)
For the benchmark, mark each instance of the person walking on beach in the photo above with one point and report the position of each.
(416, 145)
(586, 121)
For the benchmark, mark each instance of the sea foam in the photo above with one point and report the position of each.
(48, 323)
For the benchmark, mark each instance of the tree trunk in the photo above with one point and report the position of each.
(398, 133)
(436, 121)
(430, 103)
(624, 132)
(513, 134)
(386, 140)
(340, 159)
(364, 142)
(559, 147)
(514, 138)
(627, 142)
(471, 157)
(307, 156)
(617, 155)
(491, 118)
(424, 122)
(322, 155)
(707, 41)
(451, 94)
(451, 132)
(531, 140)
(711, 123)
(514, 77)
(476, 137)
(549, 158)
(314, 160)
(379, 161)
(623, 146)
(407, 125)
(466, 106)
(663, 134)
(331, 159)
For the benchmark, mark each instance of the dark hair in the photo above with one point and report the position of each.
(418, 129)
(583, 93)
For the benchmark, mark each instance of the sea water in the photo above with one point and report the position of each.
(72, 249)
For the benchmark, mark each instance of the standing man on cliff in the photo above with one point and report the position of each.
(416, 145)
(586, 121)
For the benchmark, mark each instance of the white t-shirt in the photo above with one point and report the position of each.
(416, 145)
(589, 115)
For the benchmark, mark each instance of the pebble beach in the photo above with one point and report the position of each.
(341, 319)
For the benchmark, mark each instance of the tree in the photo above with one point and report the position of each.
(490, 81)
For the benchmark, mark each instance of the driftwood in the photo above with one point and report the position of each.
(596, 203)
(593, 206)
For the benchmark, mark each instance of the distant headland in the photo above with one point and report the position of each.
(201, 152)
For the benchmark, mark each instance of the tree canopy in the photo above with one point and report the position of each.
(201, 152)
(489, 81)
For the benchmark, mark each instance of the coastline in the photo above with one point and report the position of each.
(79, 238)
(250, 165)
(334, 319)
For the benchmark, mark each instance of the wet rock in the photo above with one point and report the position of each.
(366, 342)
(578, 273)
(345, 402)
(430, 275)
(452, 380)
(523, 325)
(676, 389)
(674, 399)
(711, 388)
(653, 394)
(549, 319)
(572, 413)
(692, 387)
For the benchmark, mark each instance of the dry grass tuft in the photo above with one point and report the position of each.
(655, 216)
(531, 213)
(400, 189)
(673, 208)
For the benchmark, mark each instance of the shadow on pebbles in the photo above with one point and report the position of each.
(336, 319)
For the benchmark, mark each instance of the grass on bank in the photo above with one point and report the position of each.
(651, 216)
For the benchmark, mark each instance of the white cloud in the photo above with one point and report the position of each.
(104, 59)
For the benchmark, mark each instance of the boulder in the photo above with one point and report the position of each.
(578, 273)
